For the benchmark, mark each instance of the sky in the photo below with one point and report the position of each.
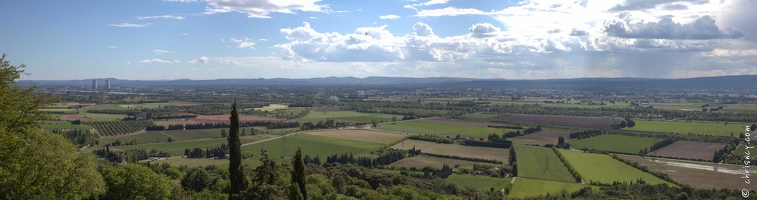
(537, 39)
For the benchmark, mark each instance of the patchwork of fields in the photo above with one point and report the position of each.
(698, 174)
(580, 122)
(435, 162)
(347, 116)
(177, 148)
(455, 149)
(441, 129)
(615, 143)
(689, 149)
(546, 136)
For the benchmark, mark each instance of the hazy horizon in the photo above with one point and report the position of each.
(537, 39)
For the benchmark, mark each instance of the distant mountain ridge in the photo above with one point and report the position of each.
(743, 82)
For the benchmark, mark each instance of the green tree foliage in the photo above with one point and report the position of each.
(264, 180)
(236, 174)
(133, 181)
(198, 179)
(35, 164)
(298, 173)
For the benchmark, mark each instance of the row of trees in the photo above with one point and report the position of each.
(572, 170)
(81, 137)
(586, 134)
(432, 138)
(215, 152)
(627, 122)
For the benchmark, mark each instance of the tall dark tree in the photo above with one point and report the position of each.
(298, 172)
(236, 176)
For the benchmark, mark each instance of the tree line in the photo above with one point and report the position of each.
(215, 152)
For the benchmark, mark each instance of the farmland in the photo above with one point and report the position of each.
(143, 137)
(546, 136)
(72, 117)
(525, 187)
(347, 116)
(104, 117)
(360, 135)
(479, 182)
(454, 149)
(697, 174)
(452, 122)
(689, 149)
(182, 135)
(708, 128)
(177, 148)
(225, 118)
(192, 162)
(440, 129)
(272, 107)
(435, 162)
(62, 125)
(580, 122)
(541, 163)
(604, 169)
(312, 145)
(113, 128)
(614, 143)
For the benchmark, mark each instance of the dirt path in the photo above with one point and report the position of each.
(177, 139)
(513, 181)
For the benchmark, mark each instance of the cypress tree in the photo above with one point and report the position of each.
(298, 172)
(235, 171)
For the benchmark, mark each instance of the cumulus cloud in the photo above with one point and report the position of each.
(703, 28)
(389, 17)
(262, 8)
(161, 17)
(242, 43)
(422, 29)
(182, 1)
(202, 60)
(449, 11)
(130, 25)
(155, 60)
(483, 30)
(578, 32)
(161, 51)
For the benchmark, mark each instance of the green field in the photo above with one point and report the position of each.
(525, 187)
(311, 145)
(480, 115)
(177, 148)
(441, 129)
(64, 125)
(479, 182)
(192, 162)
(273, 107)
(142, 138)
(104, 117)
(615, 143)
(64, 110)
(603, 168)
(541, 163)
(348, 116)
(194, 134)
(709, 128)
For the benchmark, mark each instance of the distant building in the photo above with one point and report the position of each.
(107, 84)
(334, 98)
(94, 84)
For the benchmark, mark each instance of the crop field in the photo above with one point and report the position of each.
(57, 110)
(698, 174)
(360, 135)
(273, 107)
(689, 149)
(741, 108)
(526, 187)
(541, 163)
(182, 135)
(348, 116)
(452, 122)
(192, 162)
(104, 117)
(481, 115)
(225, 118)
(177, 148)
(312, 145)
(113, 128)
(708, 128)
(547, 136)
(73, 117)
(480, 182)
(604, 169)
(435, 162)
(143, 137)
(580, 122)
(455, 149)
(440, 129)
(144, 105)
(62, 125)
(615, 143)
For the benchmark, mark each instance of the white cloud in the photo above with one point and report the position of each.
(128, 62)
(313, 17)
(389, 17)
(230, 62)
(183, 1)
(242, 43)
(112, 47)
(130, 25)
(161, 52)
(262, 8)
(428, 3)
(155, 60)
(449, 11)
(203, 60)
(702, 28)
(161, 17)
(262, 39)
(184, 34)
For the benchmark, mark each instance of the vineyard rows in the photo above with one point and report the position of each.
(113, 128)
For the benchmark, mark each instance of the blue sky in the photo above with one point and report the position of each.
(538, 39)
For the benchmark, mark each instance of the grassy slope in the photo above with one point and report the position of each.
(605, 169)
(617, 143)
(541, 163)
